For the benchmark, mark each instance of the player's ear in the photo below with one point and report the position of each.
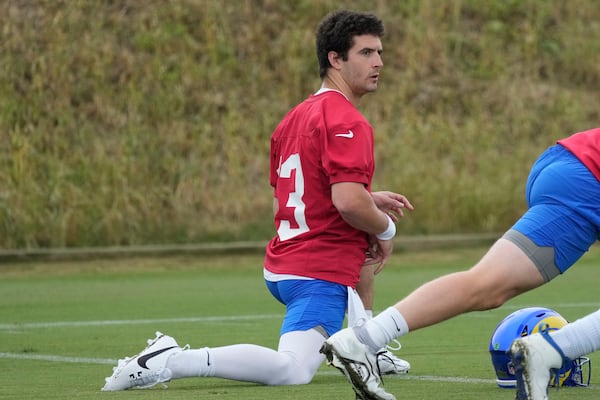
(335, 60)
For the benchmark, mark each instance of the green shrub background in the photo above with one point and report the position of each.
(148, 121)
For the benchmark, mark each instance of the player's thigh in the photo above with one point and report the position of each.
(506, 268)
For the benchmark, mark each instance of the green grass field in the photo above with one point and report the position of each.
(64, 324)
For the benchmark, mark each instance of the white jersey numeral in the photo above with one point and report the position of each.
(285, 230)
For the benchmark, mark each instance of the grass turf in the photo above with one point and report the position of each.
(63, 325)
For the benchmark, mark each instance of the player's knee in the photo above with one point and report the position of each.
(292, 377)
(299, 377)
(493, 302)
(292, 373)
(491, 299)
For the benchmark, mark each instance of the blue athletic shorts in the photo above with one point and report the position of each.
(311, 304)
(564, 207)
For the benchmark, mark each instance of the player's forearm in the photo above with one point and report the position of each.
(357, 208)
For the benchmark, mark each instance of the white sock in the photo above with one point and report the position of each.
(580, 337)
(190, 363)
(382, 329)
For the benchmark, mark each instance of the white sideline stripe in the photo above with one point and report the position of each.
(451, 379)
(47, 357)
(109, 361)
(103, 361)
(410, 377)
(60, 324)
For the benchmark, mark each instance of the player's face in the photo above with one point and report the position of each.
(361, 70)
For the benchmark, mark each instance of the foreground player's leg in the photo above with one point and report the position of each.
(295, 362)
(580, 337)
(359, 311)
(502, 273)
(358, 363)
(535, 356)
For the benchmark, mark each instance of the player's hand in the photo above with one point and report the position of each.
(393, 204)
(378, 253)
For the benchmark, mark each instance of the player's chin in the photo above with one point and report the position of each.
(371, 87)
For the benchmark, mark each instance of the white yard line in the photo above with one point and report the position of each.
(108, 361)
(62, 324)
(59, 324)
(15, 327)
(53, 358)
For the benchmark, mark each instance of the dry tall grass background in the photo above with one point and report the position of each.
(145, 122)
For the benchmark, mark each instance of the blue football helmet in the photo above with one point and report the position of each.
(524, 322)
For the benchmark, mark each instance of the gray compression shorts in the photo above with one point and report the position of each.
(542, 257)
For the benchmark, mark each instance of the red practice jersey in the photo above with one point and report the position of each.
(322, 141)
(586, 147)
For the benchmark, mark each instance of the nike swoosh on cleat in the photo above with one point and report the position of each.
(144, 359)
(348, 135)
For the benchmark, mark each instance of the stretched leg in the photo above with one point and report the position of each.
(315, 310)
(388, 363)
(501, 274)
(504, 272)
(295, 362)
(580, 337)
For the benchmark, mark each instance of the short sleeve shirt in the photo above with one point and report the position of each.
(586, 147)
(322, 141)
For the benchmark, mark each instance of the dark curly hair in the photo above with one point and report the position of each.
(337, 31)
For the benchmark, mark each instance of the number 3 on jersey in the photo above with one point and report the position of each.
(294, 201)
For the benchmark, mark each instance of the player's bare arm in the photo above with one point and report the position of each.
(356, 206)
